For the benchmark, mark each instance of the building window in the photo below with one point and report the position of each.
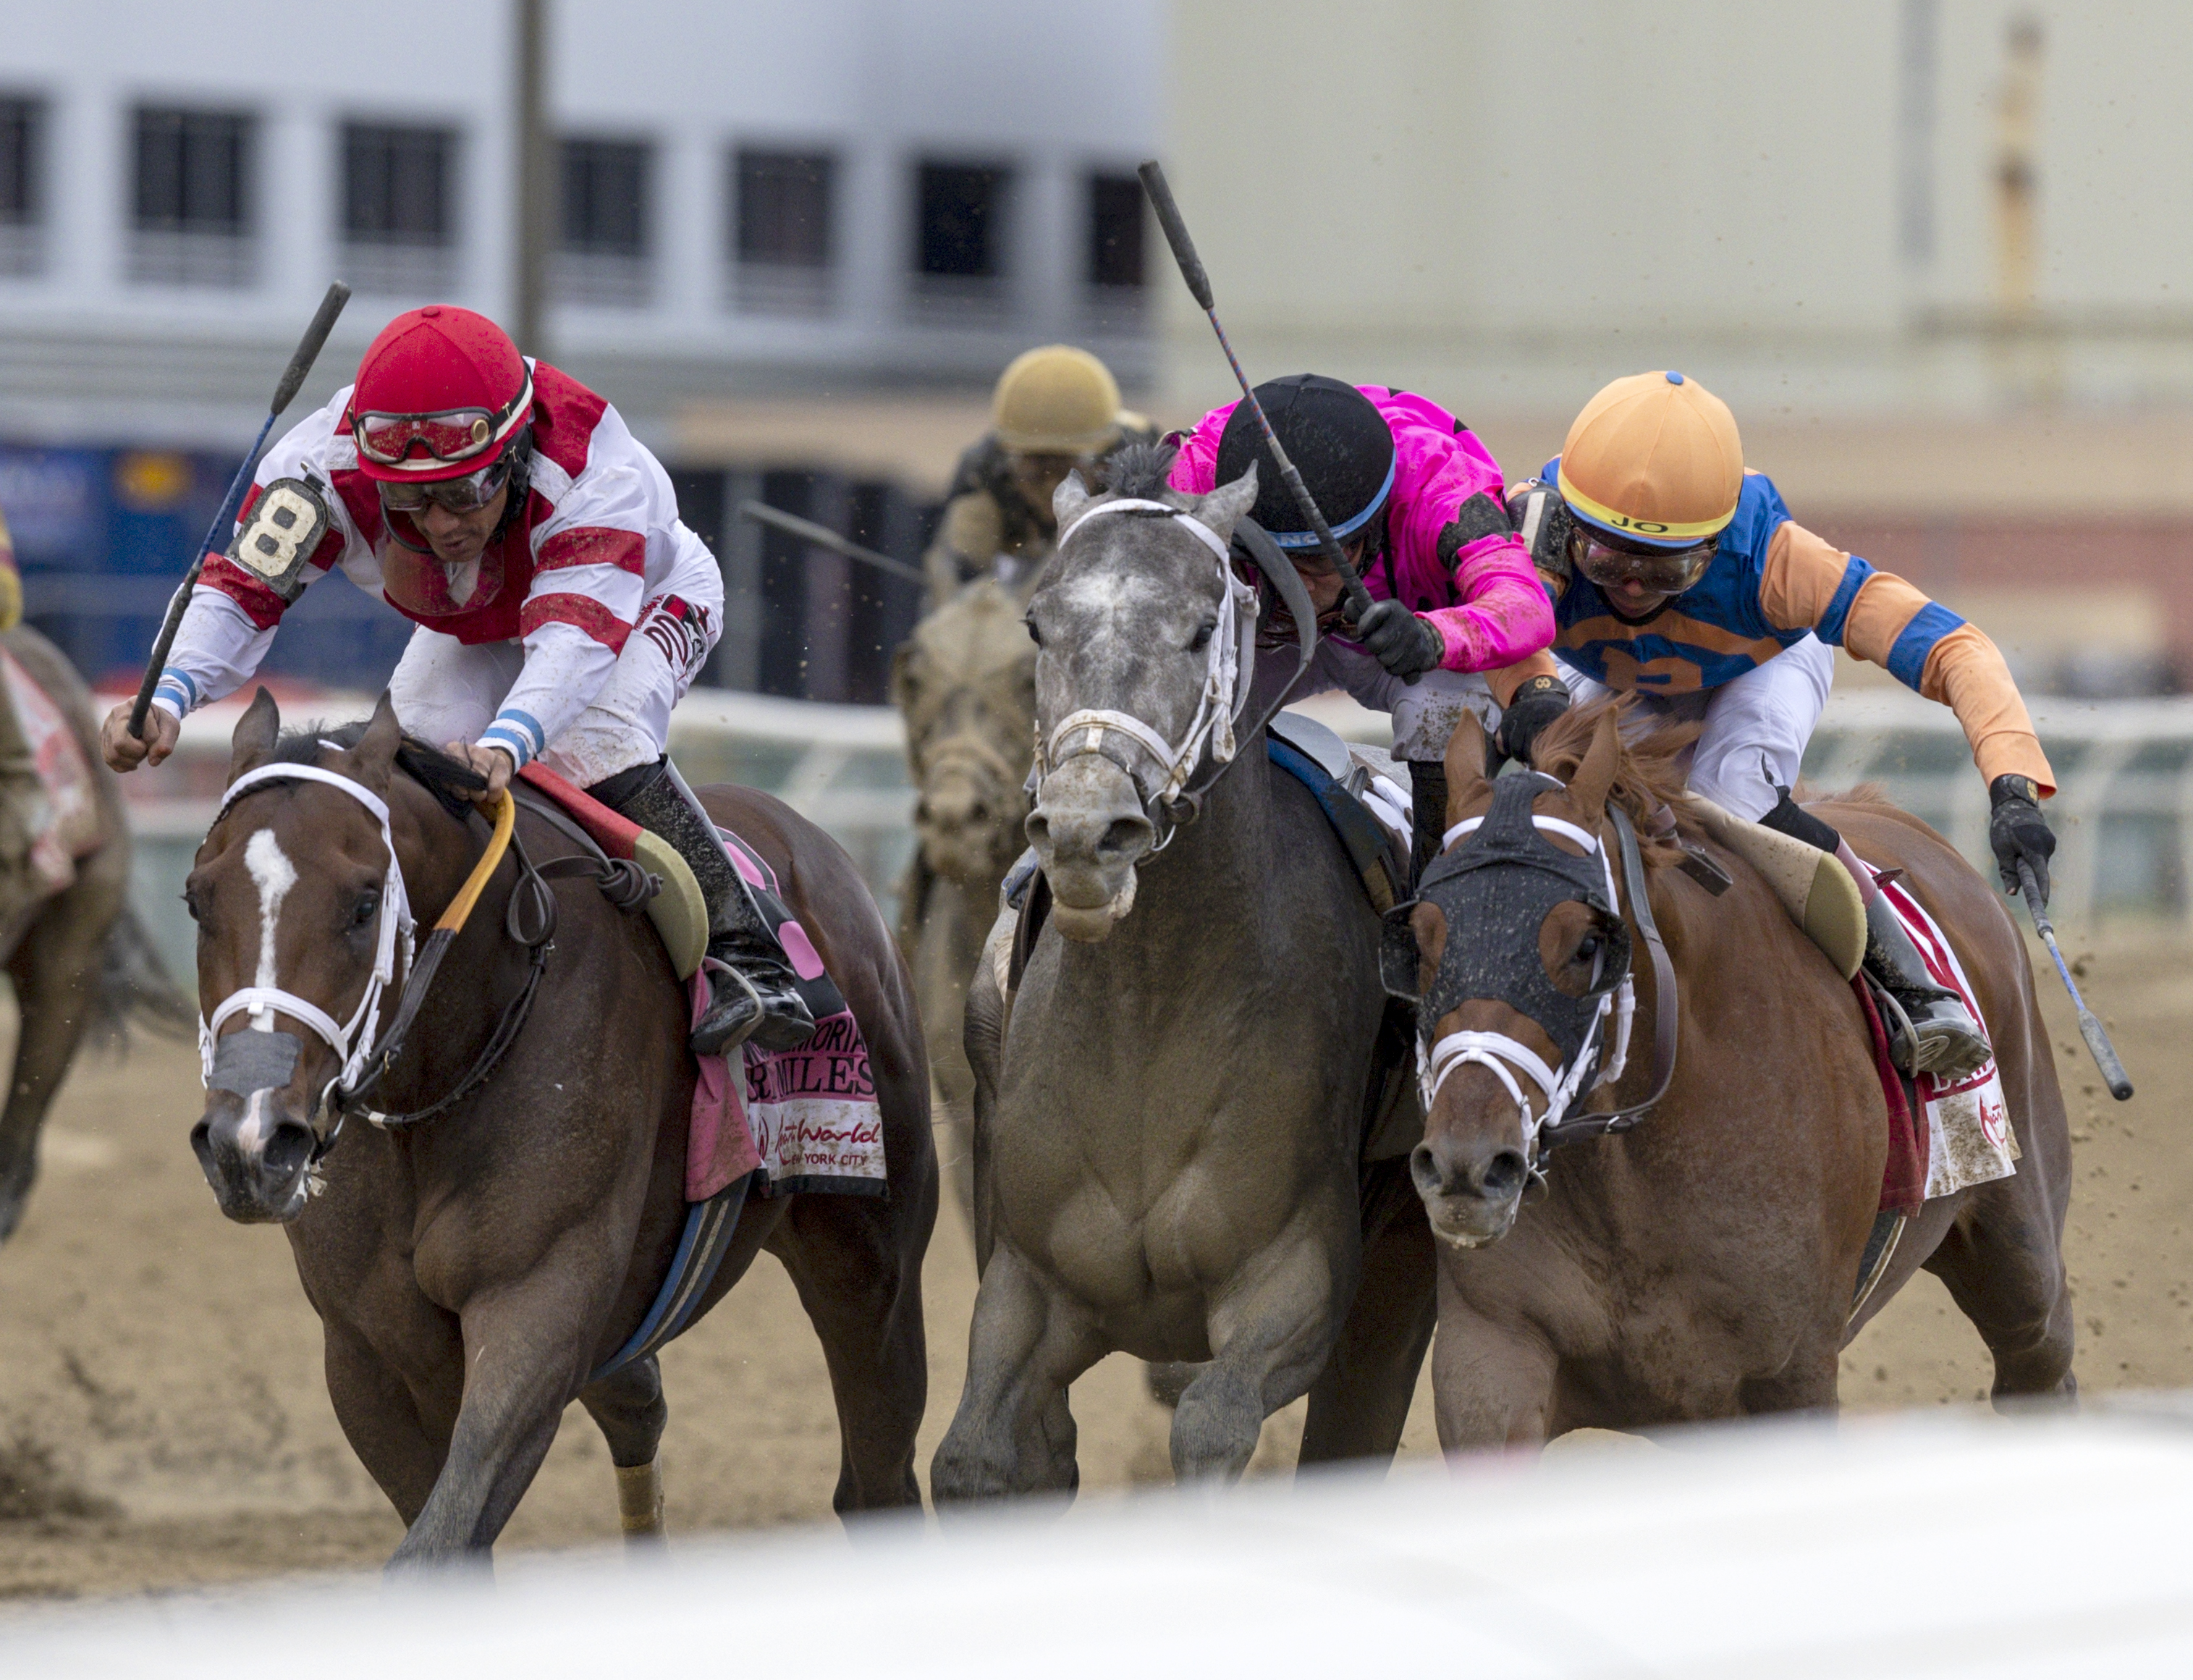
(398, 226)
(781, 231)
(603, 235)
(22, 195)
(192, 212)
(959, 238)
(1113, 271)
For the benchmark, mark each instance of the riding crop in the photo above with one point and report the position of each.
(2098, 1041)
(823, 537)
(1198, 284)
(308, 350)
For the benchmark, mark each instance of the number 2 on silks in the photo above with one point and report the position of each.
(275, 544)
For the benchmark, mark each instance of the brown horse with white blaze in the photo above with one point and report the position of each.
(472, 1273)
(1704, 1264)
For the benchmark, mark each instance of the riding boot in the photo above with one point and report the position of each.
(1427, 810)
(761, 1000)
(1944, 1038)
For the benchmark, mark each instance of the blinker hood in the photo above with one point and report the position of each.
(1495, 890)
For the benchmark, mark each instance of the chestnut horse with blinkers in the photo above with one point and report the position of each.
(1703, 1262)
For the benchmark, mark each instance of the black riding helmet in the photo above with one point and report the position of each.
(1338, 440)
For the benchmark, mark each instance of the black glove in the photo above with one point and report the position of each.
(1537, 703)
(1403, 643)
(2018, 833)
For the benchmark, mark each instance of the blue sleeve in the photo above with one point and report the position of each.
(1907, 659)
(1829, 630)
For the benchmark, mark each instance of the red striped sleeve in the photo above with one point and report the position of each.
(582, 610)
(260, 605)
(594, 546)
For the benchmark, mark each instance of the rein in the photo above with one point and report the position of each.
(1172, 802)
(529, 919)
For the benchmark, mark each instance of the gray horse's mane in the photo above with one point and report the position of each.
(440, 775)
(1139, 469)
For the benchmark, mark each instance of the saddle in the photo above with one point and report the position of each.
(679, 911)
(1339, 777)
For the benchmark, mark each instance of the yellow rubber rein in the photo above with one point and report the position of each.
(453, 918)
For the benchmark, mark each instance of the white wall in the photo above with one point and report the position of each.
(1507, 202)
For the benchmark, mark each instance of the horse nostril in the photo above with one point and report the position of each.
(1503, 1175)
(978, 812)
(1424, 1171)
(1123, 833)
(288, 1152)
(1038, 830)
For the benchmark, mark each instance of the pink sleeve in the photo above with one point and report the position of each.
(1505, 615)
(1196, 468)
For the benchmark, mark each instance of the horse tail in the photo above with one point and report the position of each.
(132, 986)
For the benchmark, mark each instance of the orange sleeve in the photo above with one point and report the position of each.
(1798, 583)
(1966, 673)
(1504, 682)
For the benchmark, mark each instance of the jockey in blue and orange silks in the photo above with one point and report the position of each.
(1677, 576)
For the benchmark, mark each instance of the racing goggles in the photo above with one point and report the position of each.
(460, 496)
(442, 438)
(1609, 563)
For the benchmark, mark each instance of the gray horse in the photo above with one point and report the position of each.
(965, 683)
(1170, 1114)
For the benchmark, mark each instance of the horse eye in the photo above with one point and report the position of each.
(1588, 947)
(1202, 638)
(1034, 634)
(362, 912)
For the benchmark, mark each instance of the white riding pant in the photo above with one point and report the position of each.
(445, 692)
(1757, 727)
(1424, 712)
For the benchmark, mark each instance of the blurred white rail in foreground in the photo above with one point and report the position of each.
(1915, 1546)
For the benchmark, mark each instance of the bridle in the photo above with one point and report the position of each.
(351, 1041)
(1161, 768)
(1591, 1064)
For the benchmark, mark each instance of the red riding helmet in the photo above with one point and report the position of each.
(441, 394)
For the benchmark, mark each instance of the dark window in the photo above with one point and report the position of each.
(193, 172)
(604, 198)
(783, 209)
(22, 121)
(396, 185)
(1115, 230)
(962, 228)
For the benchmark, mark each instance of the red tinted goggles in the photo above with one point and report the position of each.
(443, 439)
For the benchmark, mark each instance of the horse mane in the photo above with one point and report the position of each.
(1646, 778)
(451, 784)
(1138, 469)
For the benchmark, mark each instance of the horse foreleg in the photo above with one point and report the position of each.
(1272, 1329)
(524, 1359)
(1493, 1385)
(630, 1410)
(1360, 1400)
(1014, 1432)
(397, 1442)
(55, 967)
(857, 1263)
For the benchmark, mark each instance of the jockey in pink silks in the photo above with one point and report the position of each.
(1416, 501)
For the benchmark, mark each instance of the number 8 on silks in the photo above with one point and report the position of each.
(280, 536)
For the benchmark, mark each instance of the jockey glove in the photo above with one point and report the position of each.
(1406, 645)
(2018, 833)
(1534, 705)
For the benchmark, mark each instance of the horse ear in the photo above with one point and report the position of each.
(370, 761)
(252, 743)
(1221, 510)
(1070, 497)
(1594, 777)
(1465, 761)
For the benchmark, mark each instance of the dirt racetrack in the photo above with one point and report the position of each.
(162, 1422)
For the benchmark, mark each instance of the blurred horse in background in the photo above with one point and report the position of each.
(77, 957)
(965, 681)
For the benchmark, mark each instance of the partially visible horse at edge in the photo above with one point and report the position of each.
(471, 1272)
(80, 959)
(1705, 1264)
(1170, 1117)
(965, 683)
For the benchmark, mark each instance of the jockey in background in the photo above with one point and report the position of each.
(1055, 408)
(1678, 576)
(1414, 500)
(562, 607)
